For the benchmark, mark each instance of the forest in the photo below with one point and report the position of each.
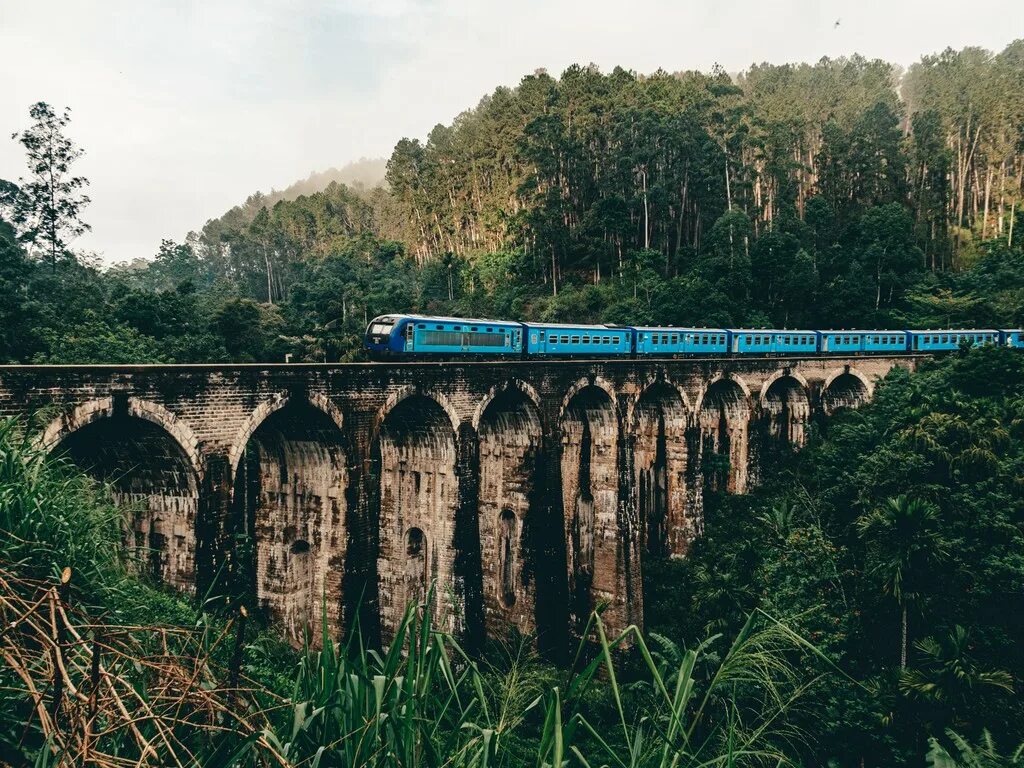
(835, 195)
(859, 609)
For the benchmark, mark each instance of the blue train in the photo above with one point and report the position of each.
(424, 337)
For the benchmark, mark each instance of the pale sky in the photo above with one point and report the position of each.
(185, 108)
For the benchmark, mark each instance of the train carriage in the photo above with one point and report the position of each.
(681, 341)
(416, 335)
(1013, 338)
(759, 341)
(555, 339)
(948, 339)
(855, 342)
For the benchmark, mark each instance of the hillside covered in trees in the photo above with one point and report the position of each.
(839, 194)
(858, 609)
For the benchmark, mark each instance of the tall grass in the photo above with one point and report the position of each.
(78, 688)
(52, 517)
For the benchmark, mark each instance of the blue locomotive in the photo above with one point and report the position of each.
(411, 337)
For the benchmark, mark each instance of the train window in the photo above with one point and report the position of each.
(575, 339)
(675, 338)
(421, 325)
(541, 336)
(565, 339)
(474, 329)
(586, 339)
(704, 339)
(439, 327)
(457, 327)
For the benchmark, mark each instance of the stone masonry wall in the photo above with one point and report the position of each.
(527, 492)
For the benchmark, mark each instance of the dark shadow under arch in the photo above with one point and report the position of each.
(724, 422)
(152, 478)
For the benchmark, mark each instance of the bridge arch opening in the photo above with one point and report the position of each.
(590, 442)
(786, 405)
(725, 426)
(509, 436)
(152, 477)
(418, 499)
(659, 465)
(847, 390)
(289, 496)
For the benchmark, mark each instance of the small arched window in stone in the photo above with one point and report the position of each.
(507, 552)
(415, 564)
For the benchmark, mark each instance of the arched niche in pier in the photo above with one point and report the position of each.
(509, 434)
(590, 496)
(660, 456)
(290, 479)
(786, 406)
(724, 420)
(418, 498)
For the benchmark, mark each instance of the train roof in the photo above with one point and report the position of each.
(442, 319)
(953, 330)
(770, 330)
(677, 328)
(579, 326)
(862, 330)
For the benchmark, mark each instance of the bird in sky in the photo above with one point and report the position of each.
(836, 25)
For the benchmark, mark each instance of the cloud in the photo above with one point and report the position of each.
(185, 108)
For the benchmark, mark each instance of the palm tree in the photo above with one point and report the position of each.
(948, 675)
(963, 754)
(904, 539)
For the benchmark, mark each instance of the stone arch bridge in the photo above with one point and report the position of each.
(529, 492)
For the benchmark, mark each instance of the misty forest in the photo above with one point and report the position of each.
(861, 608)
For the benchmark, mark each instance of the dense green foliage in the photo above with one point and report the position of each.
(838, 194)
(914, 503)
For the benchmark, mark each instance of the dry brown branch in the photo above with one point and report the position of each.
(109, 696)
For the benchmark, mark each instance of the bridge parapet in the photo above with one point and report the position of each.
(529, 491)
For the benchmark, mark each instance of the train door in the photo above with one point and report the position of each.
(410, 336)
(465, 341)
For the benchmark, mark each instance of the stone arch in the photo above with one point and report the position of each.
(590, 496)
(724, 421)
(659, 423)
(103, 408)
(288, 496)
(151, 462)
(402, 394)
(845, 388)
(786, 407)
(267, 408)
(510, 436)
(527, 391)
(415, 449)
(581, 384)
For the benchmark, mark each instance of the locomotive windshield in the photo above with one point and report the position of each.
(382, 326)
